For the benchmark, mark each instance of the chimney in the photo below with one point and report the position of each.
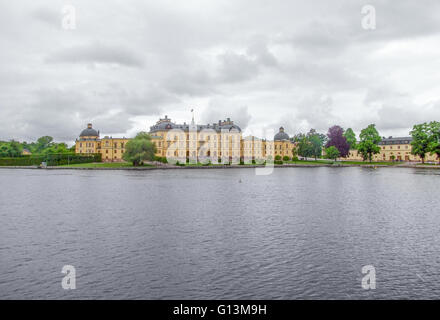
(89, 126)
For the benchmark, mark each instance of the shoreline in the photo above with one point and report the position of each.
(170, 167)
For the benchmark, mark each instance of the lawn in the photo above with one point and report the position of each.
(313, 162)
(102, 165)
(341, 162)
(382, 163)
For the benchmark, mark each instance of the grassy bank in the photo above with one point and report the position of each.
(103, 165)
(121, 165)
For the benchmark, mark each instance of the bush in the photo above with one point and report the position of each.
(278, 157)
(286, 158)
(278, 161)
(295, 158)
(161, 159)
(51, 159)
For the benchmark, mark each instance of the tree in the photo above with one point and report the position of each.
(332, 152)
(139, 149)
(336, 138)
(294, 152)
(310, 145)
(350, 136)
(315, 145)
(43, 143)
(10, 149)
(55, 148)
(434, 144)
(421, 140)
(369, 138)
(303, 149)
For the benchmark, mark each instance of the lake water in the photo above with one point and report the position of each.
(300, 233)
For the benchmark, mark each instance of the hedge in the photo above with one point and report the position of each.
(51, 159)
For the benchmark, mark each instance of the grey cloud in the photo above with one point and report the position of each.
(259, 49)
(97, 53)
(220, 109)
(236, 67)
(292, 63)
(47, 15)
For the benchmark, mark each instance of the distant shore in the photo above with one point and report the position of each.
(173, 167)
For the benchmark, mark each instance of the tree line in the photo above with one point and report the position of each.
(335, 144)
(338, 142)
(43, 146)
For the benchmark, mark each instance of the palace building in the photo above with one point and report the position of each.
(110, 148)
(222, 140)
(393, 149)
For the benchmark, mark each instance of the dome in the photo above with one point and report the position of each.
(89, 132)
(281, 135)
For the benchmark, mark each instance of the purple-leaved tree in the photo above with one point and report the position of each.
(336, 138)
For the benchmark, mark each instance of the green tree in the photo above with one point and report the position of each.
(139, 149)
(421, 143)
(351, 138)
(43, 143)
(316, 145)
(56, 148)
(304, 149)
(310, 144)
(5, 150)
(10, 149)
(332, 152)
(294, 152)
(369, 138)
(434, 144)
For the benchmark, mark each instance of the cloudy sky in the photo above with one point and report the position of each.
(300, 64)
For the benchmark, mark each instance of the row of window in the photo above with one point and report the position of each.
(92, 144)
(398, 147)
(207, 137)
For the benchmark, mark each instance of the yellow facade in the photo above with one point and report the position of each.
(221, 141)
(110, 148)
(397, 149)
